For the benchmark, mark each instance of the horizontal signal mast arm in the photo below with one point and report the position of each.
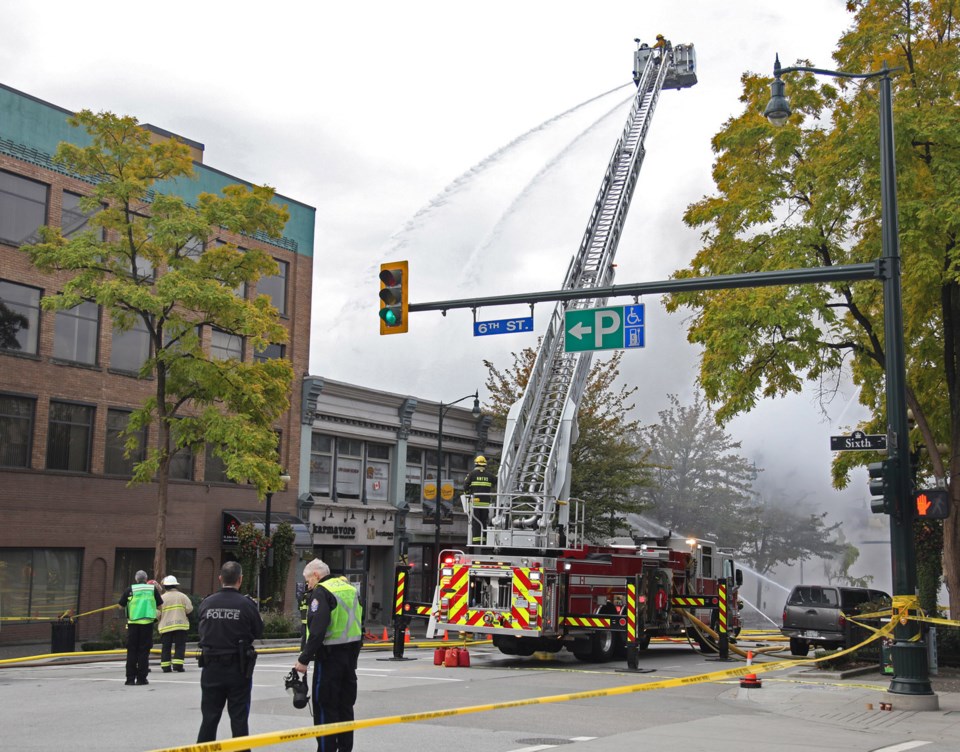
(850, 272)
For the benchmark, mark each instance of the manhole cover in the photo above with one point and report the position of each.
(543, 741)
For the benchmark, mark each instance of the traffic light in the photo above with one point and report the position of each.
(393, 297)
(932, 504)
(881, 485)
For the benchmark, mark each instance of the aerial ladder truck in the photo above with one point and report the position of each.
(534, 583)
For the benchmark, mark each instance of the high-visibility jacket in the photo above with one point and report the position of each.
(347, 618)
(142, 604)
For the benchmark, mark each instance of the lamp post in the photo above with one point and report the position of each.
(265, 576)
(911, 673)
(443, 411)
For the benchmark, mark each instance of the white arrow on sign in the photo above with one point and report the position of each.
(579, 330)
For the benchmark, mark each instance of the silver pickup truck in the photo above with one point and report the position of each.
(815, 614)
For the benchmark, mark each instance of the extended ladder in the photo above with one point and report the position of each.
(541, 425)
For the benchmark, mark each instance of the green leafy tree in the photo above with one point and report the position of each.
(157, 265)
(702, 484)
(785, 534)
(608, 466)
(808, 195)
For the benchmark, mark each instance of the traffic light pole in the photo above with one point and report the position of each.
(909, 653)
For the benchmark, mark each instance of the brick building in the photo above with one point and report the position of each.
(73, 532)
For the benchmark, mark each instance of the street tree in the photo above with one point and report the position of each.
(608, 466)
(784, 533)
(808, 195)
(155, 263)
(702, 485)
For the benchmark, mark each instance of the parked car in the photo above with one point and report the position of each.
(816, 614)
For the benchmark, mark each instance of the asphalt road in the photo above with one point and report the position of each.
(85, 706)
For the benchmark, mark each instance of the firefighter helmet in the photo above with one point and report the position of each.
(480, 461)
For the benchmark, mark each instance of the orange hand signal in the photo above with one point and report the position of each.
(923, 504)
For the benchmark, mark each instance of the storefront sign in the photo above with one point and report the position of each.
(336, 531)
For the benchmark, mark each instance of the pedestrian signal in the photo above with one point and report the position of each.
(932, 504)
(393, 297)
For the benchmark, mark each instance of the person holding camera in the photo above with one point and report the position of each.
(229, 623)
(141, 601)
(334, 637)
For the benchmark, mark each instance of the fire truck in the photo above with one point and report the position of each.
(534, 583)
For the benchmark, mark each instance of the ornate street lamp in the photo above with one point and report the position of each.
(443, 411)
(911, 673)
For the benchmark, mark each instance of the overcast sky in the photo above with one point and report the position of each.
(469, 139)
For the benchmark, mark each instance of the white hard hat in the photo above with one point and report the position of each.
(170, 580)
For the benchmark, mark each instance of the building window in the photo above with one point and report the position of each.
(181, 463)
(40, 583)
(270, 352)
(225, 346)
(115, 461)
(413, 482)
(68, 438)
(74, 220)
(275, 287)
(131, 348)
(16, 430)
(19, 317)
(23, 208)
(215, 468)
(76, 333)
(349, 456)
(321, 463)
(180, 562)
(376, 475)
(459, 467)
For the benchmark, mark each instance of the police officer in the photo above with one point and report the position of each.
(141, 601)
(334, 637)
(479, 481)
(229, 623)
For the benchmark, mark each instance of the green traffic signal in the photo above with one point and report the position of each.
(393, 297)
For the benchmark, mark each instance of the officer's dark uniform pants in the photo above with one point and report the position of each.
(335, 693)
(139, 642)
(222, 683)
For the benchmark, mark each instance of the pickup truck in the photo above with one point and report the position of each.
(815, 614)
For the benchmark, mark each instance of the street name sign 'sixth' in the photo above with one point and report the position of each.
(858, 441)
(614, 328)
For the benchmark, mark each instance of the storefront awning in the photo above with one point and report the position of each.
(233, 518)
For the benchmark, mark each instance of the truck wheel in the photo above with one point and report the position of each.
(604, 646)
(799, 647)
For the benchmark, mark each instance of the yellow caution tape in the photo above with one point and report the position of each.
(309, 732)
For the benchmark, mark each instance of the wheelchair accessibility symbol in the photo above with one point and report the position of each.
(633, 329)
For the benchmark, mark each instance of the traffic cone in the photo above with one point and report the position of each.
(750, 681)
(386, 635)
(406, 635)
(445, 638)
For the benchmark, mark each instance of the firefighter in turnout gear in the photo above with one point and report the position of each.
(173, 625)
(334, 638)
(303, 603)
(478, 482)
